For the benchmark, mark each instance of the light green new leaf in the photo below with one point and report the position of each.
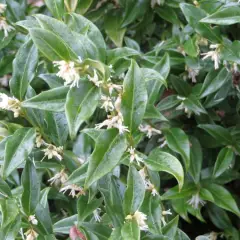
(24, 67)
(109, 149)
(56, 7)
(220, 133)
(224, 16)
(81, 103)
(130, 230)
(31, 188)
(178, 141)
(134, 194)
(162, 161)
(17, 149)
(224, 159)
(134, 98)
(51, 46)
(223, 198)
(50, 100)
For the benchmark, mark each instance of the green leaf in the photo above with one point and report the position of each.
(134, 194)
(80, 24)
(24, 67)
(86, 208)
(109, 149)
(83, 6)
(196, 159)
(113, 201)
(51, 46)
(56, 7)
(50, 100)
(130, 230)
(212, 82)
(168, 14)
(134, 98)
(11, 231)
(224, 159)
(153, 113)
(81, 103)
(64, 225)
(193, 104)
(223, 198)
(191, 47)
(10, 211)
(31, 188)
(52, 80)
(103, 232)
(178, 141)
(163, 66)
(5, 190)
(162, 161)
(219, 133)
(133, 10)
(113, 28)
(17, 149)
(151, 74)
(224, 16)
(170, 229)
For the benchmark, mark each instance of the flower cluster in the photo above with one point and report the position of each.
(214, 54)
(140, 219)
(53, 151)
(75, 191)
(149, 130)
(10, 104)
(3, 22)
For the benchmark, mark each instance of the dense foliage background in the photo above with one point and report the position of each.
(119, 119)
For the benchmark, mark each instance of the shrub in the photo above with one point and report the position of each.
(119, 119)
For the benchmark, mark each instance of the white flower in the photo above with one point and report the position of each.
(59, 177)
(68, 72)
(107, 103)
(214, 55)
(39, 140)
(75, 191)
(4, 81)
(96, 215)
(112, 86)
(192, 73)
(195, 201)
(53, 151)
(32, 219)
(95, 79)
(163, 144)
(5, 26)
(164, 213)
(151, 187)
(134, 156)
(114, 122)
(11, 104)
(140, 218)
(31, 234)
(186, 110)
(154, 2)
(3, 8)
(149, 130)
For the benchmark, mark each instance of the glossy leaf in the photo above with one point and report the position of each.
(130, 230)
(56, 7)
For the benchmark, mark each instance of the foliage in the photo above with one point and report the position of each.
(119, 119)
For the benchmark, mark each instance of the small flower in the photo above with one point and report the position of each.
(151, 187)
(11, 104)
(154, 2)
(140, 218)
(68, 72)
(5, 26)
(39, 140)
(95, 79)
(114, 122)
(59, 177)
(75, 191)
(112, 87)
(4, 81)
(186, 110)
(134, 156)
(3, 8)
(142, 173)
(149, 130)
(192, 73)
(214, 55)
(31, 234)
(53, 151)
(32, 219)
(164, 213)
(96, 215)
(107, 103)
(195, 201)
